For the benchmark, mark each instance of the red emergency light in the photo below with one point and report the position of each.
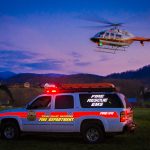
(50, 88)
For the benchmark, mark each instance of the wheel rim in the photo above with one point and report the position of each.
(9, 132)
(92, 135)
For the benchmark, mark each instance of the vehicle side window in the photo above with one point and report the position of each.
(64, 102)
(41, 103)
(100, 101)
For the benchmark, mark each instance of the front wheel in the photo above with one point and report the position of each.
(10, 131)
(93, 134)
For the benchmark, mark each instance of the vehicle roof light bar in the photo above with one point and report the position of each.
(91, 87)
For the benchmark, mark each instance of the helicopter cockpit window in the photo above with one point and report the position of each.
(97, 35)
(101, 34)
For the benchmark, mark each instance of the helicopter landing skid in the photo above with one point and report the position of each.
(111, 49)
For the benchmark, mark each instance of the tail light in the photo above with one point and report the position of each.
(123, 116)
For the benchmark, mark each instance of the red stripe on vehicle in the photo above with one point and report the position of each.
(102, 114)
(18, 114)
(58, 113)
(39, 114)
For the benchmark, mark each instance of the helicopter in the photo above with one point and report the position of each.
(115, 39)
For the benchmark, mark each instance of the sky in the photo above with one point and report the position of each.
(49, 36)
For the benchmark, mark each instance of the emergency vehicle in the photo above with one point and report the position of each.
(93, 110)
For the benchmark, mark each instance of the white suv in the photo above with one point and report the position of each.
(93, 113)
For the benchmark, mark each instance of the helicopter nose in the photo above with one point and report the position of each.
(93, 39)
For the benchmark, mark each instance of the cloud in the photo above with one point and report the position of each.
(105, 58)
(82, 63)
(76, 60)
(16, 55)
(7, 45)
(46, 64)
(76, 55)
(12, 60)
(4, 43)
(24, 61)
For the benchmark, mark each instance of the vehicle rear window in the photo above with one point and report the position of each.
(100, 101)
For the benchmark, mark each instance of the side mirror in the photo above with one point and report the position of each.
(27, 106)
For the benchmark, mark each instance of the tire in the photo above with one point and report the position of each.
(93, 134)
(10, 131)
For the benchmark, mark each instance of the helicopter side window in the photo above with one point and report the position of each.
(118, 36)
(112, 35)
(107, 35)
(126, 36)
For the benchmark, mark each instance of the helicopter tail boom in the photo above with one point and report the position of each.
(141, 40)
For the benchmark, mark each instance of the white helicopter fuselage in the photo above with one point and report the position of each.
(113, 37)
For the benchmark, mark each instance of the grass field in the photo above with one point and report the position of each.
(138, 141)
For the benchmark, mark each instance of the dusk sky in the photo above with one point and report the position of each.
(47, 36)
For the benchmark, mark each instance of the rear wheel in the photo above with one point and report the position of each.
(10, 131)
(93, 134)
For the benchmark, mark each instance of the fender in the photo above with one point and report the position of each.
(17, 119)
(79, 121)
(18, 114)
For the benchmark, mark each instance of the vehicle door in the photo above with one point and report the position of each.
(62, 116)
(37, 113)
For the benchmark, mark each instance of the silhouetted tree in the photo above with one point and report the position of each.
(5, 88)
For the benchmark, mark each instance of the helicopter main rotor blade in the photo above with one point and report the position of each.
(102, 21)
(102, 26)
(96, 19)
(97, 27)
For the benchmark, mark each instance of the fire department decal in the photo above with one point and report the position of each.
(57, 118)
(64, 117)
(31, 116)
